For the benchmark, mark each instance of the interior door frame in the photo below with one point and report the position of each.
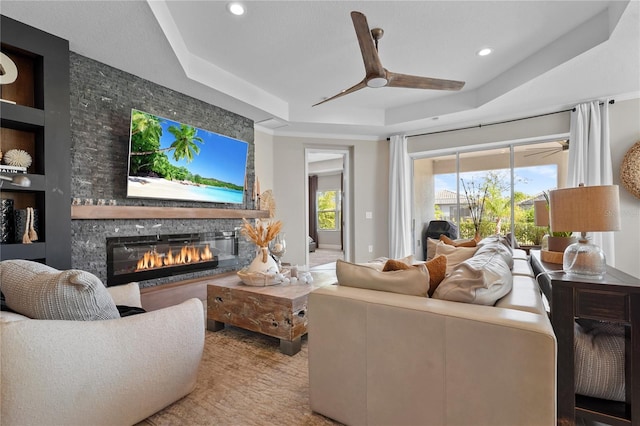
(347, 199)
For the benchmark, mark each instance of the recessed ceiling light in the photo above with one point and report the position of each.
(484, 52)
(236, 8)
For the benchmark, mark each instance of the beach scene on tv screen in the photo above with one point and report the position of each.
(171, 160)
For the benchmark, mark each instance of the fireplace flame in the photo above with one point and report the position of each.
(187, 254)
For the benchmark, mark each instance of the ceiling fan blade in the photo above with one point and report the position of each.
(372, 65)
(416, 82)
(351, 89)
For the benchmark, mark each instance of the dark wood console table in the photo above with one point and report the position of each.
(615, 298)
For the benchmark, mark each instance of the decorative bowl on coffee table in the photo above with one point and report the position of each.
(263, 279)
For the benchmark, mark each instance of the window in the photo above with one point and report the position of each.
(328, 210)
(489, 191)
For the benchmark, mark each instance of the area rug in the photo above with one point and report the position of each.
(245, 380)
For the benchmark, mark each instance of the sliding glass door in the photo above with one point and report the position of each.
(488, 191)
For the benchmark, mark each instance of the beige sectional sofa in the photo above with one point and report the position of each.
(100, 372)
(381, 358)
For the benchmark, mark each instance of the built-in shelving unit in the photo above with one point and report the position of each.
(38, 123)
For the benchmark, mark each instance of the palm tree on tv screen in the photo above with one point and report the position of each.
(148, 158)
(145, 142)
(184, 147)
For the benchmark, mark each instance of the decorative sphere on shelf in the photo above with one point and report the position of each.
(17, 157)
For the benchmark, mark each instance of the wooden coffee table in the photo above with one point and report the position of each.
(279, 311)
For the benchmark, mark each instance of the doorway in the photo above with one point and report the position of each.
(328, 206)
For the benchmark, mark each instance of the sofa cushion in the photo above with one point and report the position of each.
(524, 296)
(41, 292)
(520, 254)
(482, 280)
(522, 267)
(412, 281)
(455, 255)
(437, 268)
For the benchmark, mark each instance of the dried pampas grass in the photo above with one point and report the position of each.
(261, 234)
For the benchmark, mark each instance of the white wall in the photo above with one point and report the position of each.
(624, 121)
(423, 202)
(624, 132)
(556, 124)
(369, 191)
(264, 160)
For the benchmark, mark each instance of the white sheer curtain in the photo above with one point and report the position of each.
(590, 158)
(399, 198)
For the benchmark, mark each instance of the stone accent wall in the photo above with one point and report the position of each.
(101, 100)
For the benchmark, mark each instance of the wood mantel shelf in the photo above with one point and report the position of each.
(145, 212)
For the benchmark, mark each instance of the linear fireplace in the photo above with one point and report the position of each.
(139, 258)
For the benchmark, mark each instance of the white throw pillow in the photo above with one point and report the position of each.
(497, 248)
(41, 292)
(413, 281)
(482, 279)
(455, 255)
(431, 247)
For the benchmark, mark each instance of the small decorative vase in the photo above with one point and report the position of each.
(6, 221)
(263, 262)
(278, 248)
(544, 245)
(23, 221)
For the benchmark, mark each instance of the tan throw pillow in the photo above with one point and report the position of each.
(437, 271)
(395, 265)
(437, 268)
(465, 243)
(482, 279)
(41, 292)
(455, 255)
(412, 281)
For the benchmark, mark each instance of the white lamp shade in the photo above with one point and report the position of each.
(585, 209)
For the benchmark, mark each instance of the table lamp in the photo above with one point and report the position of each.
(585, 209)
(541, 218)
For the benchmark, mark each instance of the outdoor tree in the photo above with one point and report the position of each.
(476, 195)
(487, 200)
(327, 209)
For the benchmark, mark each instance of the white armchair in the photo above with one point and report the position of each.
(106, 372)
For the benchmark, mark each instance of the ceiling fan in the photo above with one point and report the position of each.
(548, 151)
(376, 74)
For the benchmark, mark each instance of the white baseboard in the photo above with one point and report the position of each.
(330, 246)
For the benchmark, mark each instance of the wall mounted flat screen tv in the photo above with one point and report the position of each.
(171, 160)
